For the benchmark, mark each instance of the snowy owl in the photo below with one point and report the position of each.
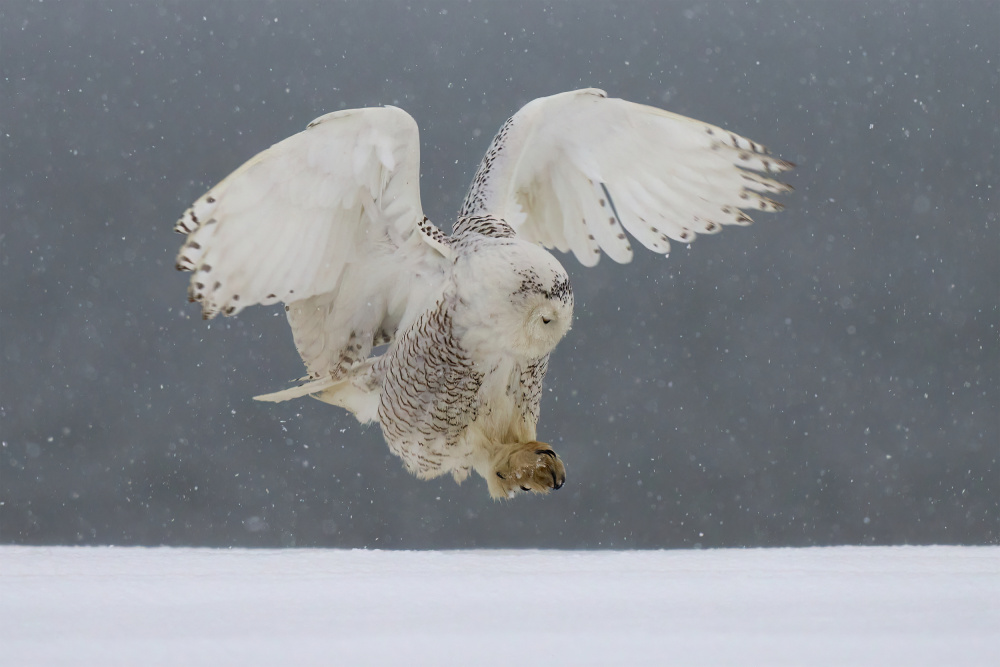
(444, 340)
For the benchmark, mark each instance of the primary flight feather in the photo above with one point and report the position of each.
(329, 222)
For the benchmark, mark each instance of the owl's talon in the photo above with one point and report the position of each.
(526, 466)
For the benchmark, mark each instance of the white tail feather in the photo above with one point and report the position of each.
(306, 389)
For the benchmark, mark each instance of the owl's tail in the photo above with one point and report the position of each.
(313, 387)
(361, 398)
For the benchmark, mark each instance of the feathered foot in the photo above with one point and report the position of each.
(526, 466)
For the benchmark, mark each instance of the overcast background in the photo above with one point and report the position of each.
(826, 376)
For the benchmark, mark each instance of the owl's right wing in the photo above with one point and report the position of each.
(328, 221)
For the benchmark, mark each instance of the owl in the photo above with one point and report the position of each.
(442, 339)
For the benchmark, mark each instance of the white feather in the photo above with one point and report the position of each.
(292, 225)
(661, 176)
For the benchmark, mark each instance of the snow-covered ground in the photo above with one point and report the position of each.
(819, 606)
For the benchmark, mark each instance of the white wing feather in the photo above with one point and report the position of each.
(326, 221)
(574, 171)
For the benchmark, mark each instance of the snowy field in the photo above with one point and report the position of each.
(818, 606)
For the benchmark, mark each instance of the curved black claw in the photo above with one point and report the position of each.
(527, 466)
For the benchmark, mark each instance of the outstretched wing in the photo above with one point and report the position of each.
(575, 171)
(327, 221)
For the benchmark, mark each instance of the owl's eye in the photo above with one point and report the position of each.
(546, 320)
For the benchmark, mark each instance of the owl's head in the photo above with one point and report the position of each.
(543, 301)
(517, 298)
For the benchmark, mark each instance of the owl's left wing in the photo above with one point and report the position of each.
(576, 170)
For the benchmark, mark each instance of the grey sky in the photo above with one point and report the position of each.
(828, 375)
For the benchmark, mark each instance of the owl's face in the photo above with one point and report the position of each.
(544, 301)
(519, 303)
(546, 321)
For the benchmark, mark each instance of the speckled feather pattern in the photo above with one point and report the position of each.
(430, 394)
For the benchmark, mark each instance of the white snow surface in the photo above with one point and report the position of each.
(814, 606)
